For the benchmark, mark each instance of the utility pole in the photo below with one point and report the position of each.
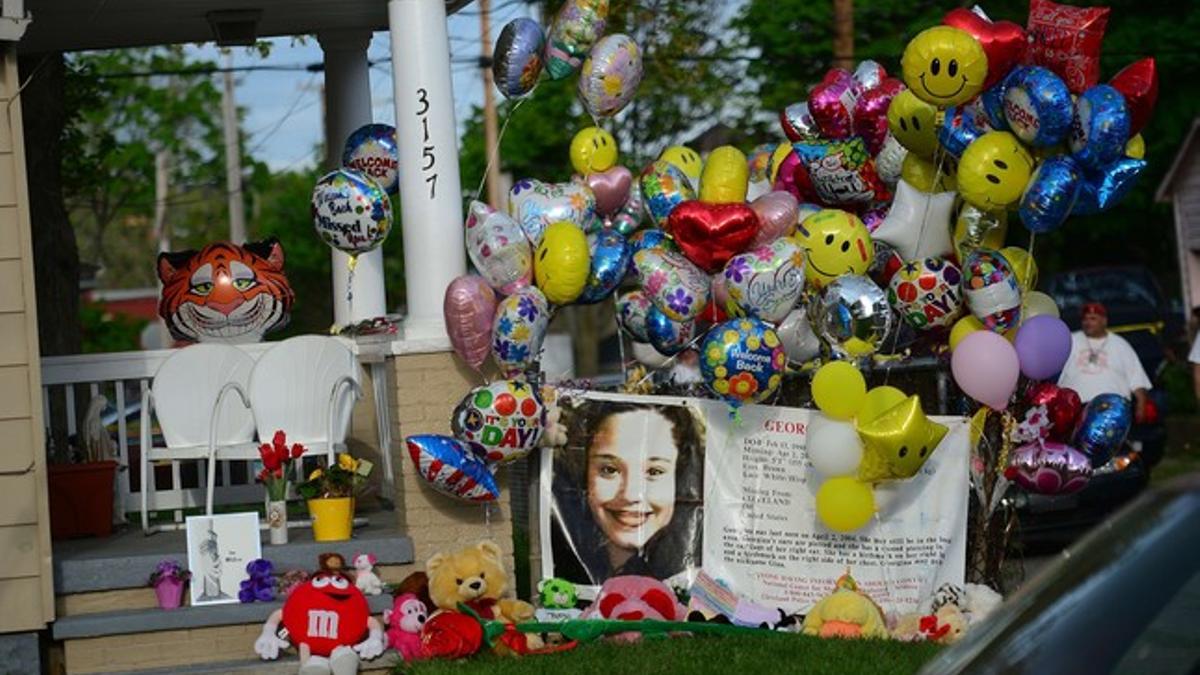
(233, 159)
(490, 128)
(843, 34)
(162, 229)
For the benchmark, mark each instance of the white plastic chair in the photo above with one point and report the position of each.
(305, 386)
(198, 418)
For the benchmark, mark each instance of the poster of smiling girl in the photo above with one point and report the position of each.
(625, 494)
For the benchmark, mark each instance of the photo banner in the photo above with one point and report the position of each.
(665, 486)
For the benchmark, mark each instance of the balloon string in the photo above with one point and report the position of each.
(494, 152)
(351, 263)
(1005, 443)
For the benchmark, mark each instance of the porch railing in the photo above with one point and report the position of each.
(69, 382)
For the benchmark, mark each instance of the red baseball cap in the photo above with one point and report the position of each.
(1094, 308)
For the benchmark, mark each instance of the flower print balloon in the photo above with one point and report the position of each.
(518, 330)
(498, 248)
(742, 361)
(765, 282)
(677, 287)
(535, 205)
(610, 75)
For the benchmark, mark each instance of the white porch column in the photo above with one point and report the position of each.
(430, 192)
(348, 107)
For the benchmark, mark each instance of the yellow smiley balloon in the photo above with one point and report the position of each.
(913, 123)
(726, 176)
(593, 150)
(897, 442)
(944, 66)
(993, 171)
(836, 243)
(685, 159)
(562, 263)
(926, 176)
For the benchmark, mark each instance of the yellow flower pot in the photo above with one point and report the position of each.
(332, 519)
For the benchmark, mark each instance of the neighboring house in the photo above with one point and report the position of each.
(1181, 187)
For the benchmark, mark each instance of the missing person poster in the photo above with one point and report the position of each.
(664, 487)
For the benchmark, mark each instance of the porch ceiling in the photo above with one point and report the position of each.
(72, 25)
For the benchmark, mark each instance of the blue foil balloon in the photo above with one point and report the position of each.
(371, 150)
(633, 308)
(742, 361)
(1100, 127)
(959, 128)
(648, 238)
(610, 262)
(1101, 191)
(1051, 194)
(667, 336)
(452, 467)
(518, 58)
(1102, 427)
(993, 102)
(1037, 107)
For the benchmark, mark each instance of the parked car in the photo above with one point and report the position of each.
(1126, 599)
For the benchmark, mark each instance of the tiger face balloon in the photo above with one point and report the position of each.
(224, 292)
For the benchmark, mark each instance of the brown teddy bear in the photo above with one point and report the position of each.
(475, 576)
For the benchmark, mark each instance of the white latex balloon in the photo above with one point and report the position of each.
(918, 224)
(1037, 303)
(834, 447)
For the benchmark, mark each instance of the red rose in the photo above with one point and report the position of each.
(451, 635)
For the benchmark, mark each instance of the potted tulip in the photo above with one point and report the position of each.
(277, 460)
(330, 493)
(168, 580)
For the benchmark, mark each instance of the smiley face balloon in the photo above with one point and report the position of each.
(686, 160)
(562, 263)
(944, 66)
(897, 442)
(994, 171)
(836, 243)
(913, 122)
(593, 150)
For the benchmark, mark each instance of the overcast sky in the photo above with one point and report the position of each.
(282, 122)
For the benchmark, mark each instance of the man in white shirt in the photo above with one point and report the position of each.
(1102, 362)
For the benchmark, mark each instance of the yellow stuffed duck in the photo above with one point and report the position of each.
(846, 613)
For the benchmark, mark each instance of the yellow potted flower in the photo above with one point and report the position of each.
(330, 493)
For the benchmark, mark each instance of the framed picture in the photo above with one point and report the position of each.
(218, 549)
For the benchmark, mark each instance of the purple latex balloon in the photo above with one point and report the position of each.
(468, 309)
(1049, 468)
(986, 368)
(1043, 344)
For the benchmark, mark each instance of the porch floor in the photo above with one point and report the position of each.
(127, 557)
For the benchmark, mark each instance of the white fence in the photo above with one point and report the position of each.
(69, 382)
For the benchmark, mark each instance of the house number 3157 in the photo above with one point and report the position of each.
(428, 159)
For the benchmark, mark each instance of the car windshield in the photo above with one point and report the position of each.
(1112, 603)
(1114, 288)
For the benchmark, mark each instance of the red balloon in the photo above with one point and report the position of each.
(1062, 407)
(1003, 41)
(1138, 83)
(451, 635)
(831, 103)
(710, 234)
(870, 115)
(1067, 40)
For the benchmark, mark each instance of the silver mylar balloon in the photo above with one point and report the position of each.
(796, 334)
(853, 316)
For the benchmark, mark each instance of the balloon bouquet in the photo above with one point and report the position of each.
(351, 208)
(1016, 120)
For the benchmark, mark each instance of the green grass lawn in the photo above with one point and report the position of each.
(732, 655)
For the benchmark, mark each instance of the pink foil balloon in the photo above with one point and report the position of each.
(986, 368)
(778, 214)
(832, 102)
(611, 188)
(468, 309)
(1049, 468)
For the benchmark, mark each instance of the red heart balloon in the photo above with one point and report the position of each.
(710, 234)
(1138, 83)
(1003, 41)
(1062, 407)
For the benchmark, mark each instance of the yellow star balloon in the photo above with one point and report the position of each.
(897, 442)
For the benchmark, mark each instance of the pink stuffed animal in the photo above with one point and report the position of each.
(635, 598)
(404, 621)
